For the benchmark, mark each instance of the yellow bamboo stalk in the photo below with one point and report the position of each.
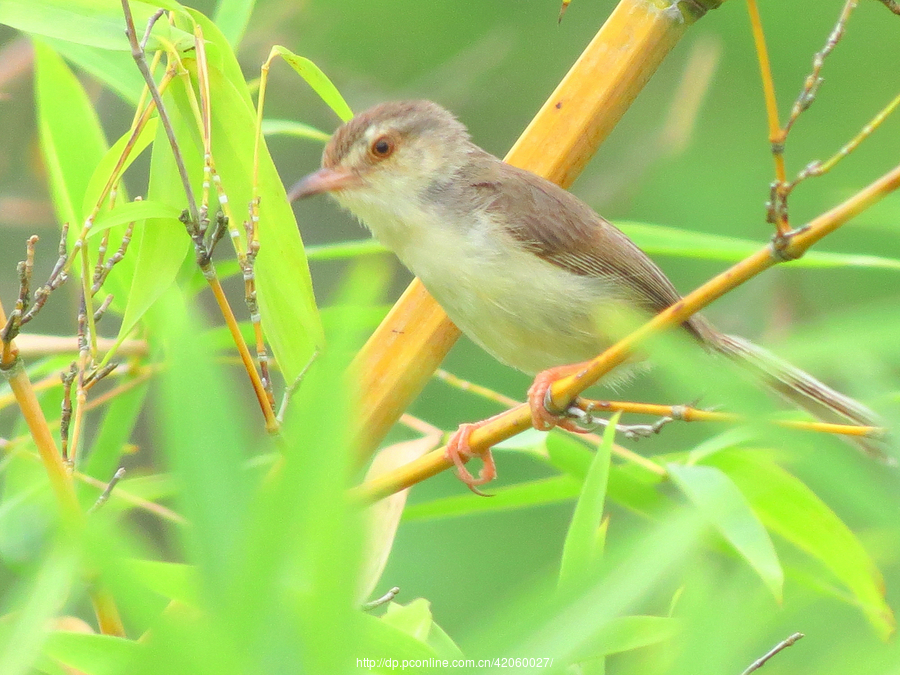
(413, 339)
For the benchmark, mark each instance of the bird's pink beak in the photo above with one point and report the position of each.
(323, 180)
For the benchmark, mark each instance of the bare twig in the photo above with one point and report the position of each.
(104, 496)
(102, 270)
(137, 53)
(818, 168)
(814, 80)
(784, 644)
(65, 418)
(101, 310)
(383, 600)
(292, 387)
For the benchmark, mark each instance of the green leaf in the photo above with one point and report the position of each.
(174, 581)
(72, 140)
(625, 633)
(413, 619)
(115, 430)
(662, 240)
(98, 23)
(723, 505)
(103, 169)
(92, 654)
(129, 212)
(287, 304)
(291, 128)
(232, 17)
(115, 69)
(160, 245)
(24, 636)
(316, 79)
(533, 493)
(77, 159)
(790, 509)
(580, 549)
(630, 485)
(381, 640)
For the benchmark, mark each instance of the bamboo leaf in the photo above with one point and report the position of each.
(789, 508)
(723, 505)
(316, 79)
(662, 240)
(580, 548)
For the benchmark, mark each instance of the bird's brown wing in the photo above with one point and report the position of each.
(563, 230)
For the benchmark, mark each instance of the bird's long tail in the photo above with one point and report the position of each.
(808, 393)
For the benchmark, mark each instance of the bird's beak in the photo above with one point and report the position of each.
(323, 180)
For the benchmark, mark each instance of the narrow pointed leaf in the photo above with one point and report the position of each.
(723, 505)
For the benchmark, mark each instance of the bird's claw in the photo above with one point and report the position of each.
(459, 450)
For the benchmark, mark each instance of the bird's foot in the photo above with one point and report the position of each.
(543, 418)
(459, 450)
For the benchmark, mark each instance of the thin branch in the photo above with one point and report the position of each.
(137, 53)
(765, 71)
(104, 496)
(383, 600)
(784, 644)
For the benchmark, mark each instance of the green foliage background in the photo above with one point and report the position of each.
(273, 562)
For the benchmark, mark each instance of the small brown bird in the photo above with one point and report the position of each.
(524, 268)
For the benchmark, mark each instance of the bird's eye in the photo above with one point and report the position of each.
(382, 147)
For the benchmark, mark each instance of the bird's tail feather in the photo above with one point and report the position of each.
(808, 393)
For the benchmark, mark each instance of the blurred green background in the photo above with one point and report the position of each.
(494, 63)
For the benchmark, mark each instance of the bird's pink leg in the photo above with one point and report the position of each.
(541, 418)
(459, 448)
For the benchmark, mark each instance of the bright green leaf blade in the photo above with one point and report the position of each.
(291, 128)
(220, 57)
(115, 69)
(174, 581)
(625, 633)
(81, 21)
(413, 619)
(97, 23)
(316, 79)
(107, 164)
(129, 212)
(113, 433)
(208, 457)
(630, 485)
(382, 641)
(92, 654)
(232, 17)
(71, 137)
(534, 493)
(289, 314)
(662, 240)
(789, 508)
(160, 244)
(723, 505)
(21, 641)
(443, 644)
(579, 549)
(74, 149)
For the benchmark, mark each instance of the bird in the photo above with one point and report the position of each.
(523, 267)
